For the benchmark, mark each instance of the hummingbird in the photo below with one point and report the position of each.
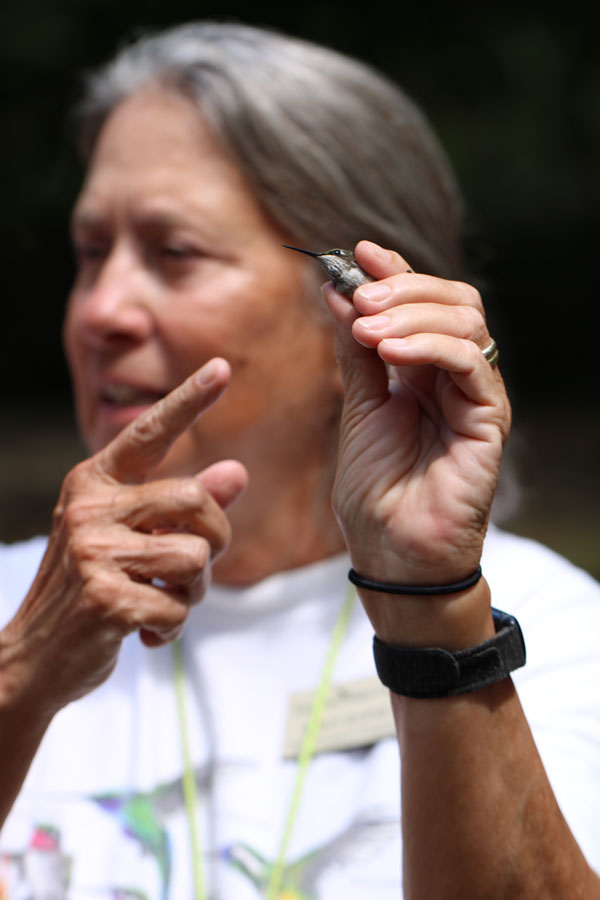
(341, 267)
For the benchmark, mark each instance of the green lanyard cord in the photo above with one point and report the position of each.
(307, 751)
(190, 795)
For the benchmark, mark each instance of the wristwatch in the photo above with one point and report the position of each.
(432, 672)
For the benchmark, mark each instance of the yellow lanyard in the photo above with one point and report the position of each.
(307, 751)
(190, 794)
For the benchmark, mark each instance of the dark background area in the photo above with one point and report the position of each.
(514, 94)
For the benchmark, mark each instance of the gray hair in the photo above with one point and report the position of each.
(333, 150)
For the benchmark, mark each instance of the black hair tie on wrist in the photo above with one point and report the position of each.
(418, 589)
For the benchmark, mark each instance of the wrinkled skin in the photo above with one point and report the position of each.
(181, 272)
(424, 423)
(124, 554)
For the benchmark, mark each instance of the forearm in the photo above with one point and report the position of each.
(479, 817)
(22, 727)
(421, 441)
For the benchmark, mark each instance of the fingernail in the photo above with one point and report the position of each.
(375, 291)
(376, 250)
(375, 323)
(207, 373)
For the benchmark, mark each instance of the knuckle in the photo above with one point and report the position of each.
(79, 475)
(74, 482)
(193, 560)
(178, 615)
(167, 619)
(144, 428)
(201, 555)
(470, 295)
(221, 538)
(100, 588)
(74, 516)
(100, 603)
(474, 351)
(83, 550)
(146, 433)
(176, 559)
(81, 501)
(191, 493)
(473, 320)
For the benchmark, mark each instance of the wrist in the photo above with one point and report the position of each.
(421, 590)
(421, 561)
(432, 673)
(24, 694)
(452, 622)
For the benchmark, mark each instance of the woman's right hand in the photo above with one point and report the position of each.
(124, 554)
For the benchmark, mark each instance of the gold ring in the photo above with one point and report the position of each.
(491, 353)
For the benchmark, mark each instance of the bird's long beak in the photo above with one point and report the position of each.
(300, 250)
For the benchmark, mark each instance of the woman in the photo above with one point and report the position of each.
(211, 401)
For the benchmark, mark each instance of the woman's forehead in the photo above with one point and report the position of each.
(154, 152)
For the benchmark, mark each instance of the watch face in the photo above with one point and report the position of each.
(502, 619)
(505, 622)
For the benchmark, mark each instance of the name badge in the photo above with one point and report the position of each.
(356, 714)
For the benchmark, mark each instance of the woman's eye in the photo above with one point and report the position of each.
(176, 260)
(176, 251)
(90, 251)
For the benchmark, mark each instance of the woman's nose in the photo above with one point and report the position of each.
(113, 307)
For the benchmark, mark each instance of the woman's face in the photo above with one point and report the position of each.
(178, 263)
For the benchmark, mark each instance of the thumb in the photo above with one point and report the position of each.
(225, 481)
(364, 373)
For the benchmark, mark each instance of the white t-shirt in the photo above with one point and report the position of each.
(102, 813)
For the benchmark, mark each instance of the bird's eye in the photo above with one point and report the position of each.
(336, 252)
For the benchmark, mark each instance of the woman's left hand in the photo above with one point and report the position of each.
(424, 423)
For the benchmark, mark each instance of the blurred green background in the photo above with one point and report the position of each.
(514, 94)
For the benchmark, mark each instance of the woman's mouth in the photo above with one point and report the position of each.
(125, 395)
(119, 404)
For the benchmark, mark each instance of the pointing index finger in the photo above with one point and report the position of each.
(144, 443)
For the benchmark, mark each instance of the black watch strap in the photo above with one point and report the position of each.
(432, 672)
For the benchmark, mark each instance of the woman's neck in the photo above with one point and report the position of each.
(280, 524)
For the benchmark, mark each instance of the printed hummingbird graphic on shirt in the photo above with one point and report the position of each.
(300, 878)
(142, 817)
(41, 871)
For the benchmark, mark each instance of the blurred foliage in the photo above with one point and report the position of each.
(513, 92)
